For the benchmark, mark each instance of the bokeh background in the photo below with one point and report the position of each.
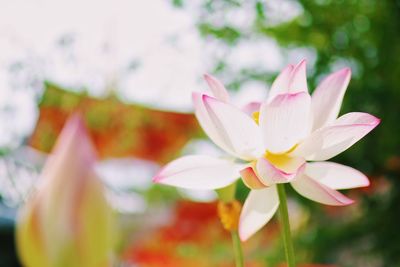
(130, 68)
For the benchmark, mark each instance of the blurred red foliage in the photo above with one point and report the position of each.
(194, 237)
(117, 129)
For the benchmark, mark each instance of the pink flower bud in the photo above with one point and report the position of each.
(67, 221)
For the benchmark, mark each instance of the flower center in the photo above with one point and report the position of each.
(283, 161)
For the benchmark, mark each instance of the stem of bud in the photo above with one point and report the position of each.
(229, 213)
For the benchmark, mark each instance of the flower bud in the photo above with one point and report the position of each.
(67, 222)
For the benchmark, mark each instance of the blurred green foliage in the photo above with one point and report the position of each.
(364, 35)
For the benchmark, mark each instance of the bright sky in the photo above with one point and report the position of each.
(149, 51)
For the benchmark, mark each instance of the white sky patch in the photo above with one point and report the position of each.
(127, 174)
(280, 11)
(252, 91)
(259, 53)
(147, 52)
(109, 36)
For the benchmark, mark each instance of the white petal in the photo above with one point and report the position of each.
(298, 82)
(285, 121)
(292, 79)
(208, 125)
(258, 209)
(327, 98)
(269, 174)
(331, 140)
(281, 83)
(336, 176)
(218, 89)
(312, 189)
(199, 172)
(237, 129)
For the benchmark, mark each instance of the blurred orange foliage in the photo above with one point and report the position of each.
(117, 129)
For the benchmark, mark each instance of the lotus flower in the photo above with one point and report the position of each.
(67, 222)
(285, 139)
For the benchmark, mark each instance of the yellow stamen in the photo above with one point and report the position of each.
(229, 213)
(256, 116)
(280, 160)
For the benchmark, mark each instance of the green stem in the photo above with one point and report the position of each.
(237, 247)
(285, 226)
